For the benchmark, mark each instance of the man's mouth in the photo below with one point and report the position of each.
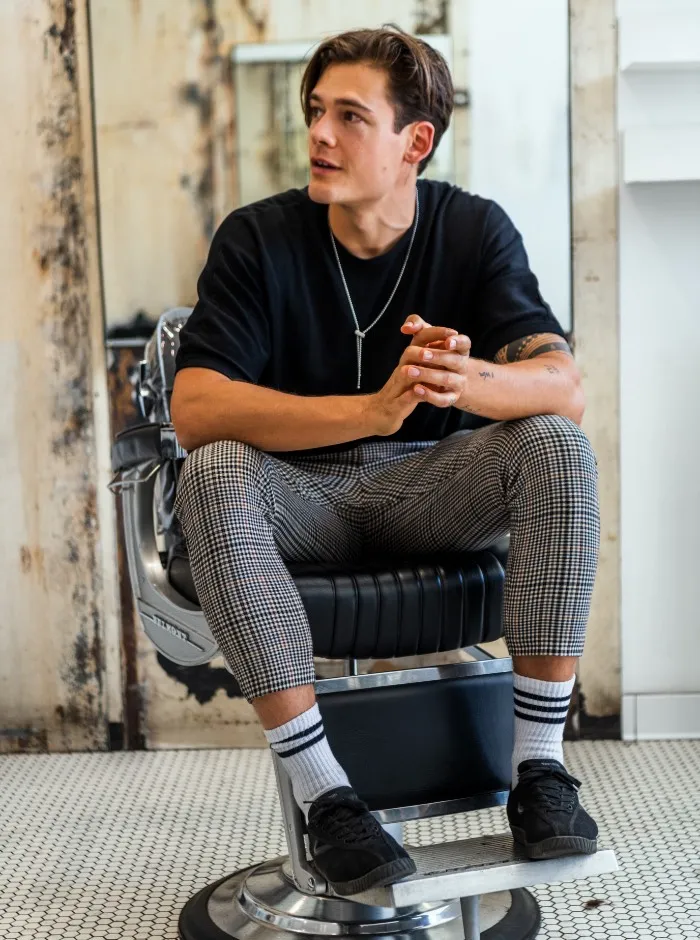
(317, 163)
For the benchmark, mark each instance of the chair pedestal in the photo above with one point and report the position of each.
(263, 903)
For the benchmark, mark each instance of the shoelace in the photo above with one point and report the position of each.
(347, 820)
(555, 789)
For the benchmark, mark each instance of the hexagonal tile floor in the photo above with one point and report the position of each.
(110, 846)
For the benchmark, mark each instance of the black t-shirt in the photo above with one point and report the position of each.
(272, 308)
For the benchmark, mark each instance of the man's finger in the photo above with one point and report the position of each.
(459, 344)
(413, 323)
(432, 333)
(441, 399)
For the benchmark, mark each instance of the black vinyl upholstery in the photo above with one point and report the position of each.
(380, 608)
(392, 607)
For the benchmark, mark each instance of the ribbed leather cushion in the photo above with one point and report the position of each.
(392, 607)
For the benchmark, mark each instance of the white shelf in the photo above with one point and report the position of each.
(659, 42)
(661, 154)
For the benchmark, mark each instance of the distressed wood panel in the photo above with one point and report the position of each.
(595, 294)
(52, 645)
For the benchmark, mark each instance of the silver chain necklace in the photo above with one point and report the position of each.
(360, 334)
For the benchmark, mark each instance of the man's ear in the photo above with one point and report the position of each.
(420, 142)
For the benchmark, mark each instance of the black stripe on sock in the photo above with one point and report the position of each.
(542, 698)
(301, 747)
(540, 721)
(301, 734)
(542, 708)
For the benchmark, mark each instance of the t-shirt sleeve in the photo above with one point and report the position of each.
(508, 304)
(228, 330)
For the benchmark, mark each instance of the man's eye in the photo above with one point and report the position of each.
(314, 112)
(351, 116)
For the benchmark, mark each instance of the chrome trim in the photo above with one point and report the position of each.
(352, 666)
(401, 814)
(134, 477)
(479, 654)
(320, 926)
(378, 680)
(482, 865)
(470, 917)
(171, 448)
(305, 877)
(154, 594)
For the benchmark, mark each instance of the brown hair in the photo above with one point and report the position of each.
(419, 80)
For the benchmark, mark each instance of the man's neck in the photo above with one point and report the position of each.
(373, 229)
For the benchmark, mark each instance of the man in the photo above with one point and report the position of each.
(345, 337)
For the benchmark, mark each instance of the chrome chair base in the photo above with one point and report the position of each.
(263, 903)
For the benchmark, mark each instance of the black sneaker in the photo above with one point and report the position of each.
(349, 847)
(545, 815)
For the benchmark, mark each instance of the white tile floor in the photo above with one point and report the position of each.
(110, 846)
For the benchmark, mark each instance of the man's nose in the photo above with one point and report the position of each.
(322, 132)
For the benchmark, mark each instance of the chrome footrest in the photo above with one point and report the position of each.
(481, 866)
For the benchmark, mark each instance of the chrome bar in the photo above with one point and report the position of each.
(470, 917)
(377, 680)
(306, 878)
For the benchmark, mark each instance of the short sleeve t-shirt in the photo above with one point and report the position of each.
(272, 307)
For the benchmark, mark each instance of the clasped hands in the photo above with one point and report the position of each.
(432, 368)
(436, 362)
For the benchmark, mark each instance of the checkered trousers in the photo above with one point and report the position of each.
(245, 512)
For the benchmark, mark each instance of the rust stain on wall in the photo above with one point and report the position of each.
(65, 335)
(432, 16)
(64, 36)
(212, 96)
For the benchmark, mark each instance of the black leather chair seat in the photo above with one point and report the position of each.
(392, 607)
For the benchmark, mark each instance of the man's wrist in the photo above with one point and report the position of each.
(366, 415)
(480, 374)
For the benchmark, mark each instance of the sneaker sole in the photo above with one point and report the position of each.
(556, 847)
(377, 878)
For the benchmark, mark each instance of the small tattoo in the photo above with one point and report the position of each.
(486, 375)
(552, 370)
(530, 346)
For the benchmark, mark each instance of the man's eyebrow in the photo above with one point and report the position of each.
(352, 102)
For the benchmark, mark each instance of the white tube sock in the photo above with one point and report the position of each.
(540, 715)
(307, 757)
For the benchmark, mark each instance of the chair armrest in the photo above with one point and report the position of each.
(143, 444)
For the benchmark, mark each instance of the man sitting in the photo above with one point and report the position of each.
(370, 363)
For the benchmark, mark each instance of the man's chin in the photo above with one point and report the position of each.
(322, 191)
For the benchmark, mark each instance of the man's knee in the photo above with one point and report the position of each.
(222, 466)
(553, 438)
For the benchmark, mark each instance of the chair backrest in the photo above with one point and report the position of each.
(157, 370)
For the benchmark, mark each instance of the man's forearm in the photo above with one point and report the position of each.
(547, 384)
(212, 410)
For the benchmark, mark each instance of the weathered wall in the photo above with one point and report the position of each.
(52, 378)
(166, 134)
(595, 294)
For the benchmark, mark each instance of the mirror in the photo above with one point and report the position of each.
(198, 112)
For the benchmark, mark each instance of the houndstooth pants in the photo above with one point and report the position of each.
(244, 512)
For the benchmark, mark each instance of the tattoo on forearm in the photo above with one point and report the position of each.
(530, 346)
(552, 370)
(486, 375)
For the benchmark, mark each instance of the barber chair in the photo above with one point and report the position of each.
(415, 743)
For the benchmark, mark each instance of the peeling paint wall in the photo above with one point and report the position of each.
(596, 318)
(52, 642)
